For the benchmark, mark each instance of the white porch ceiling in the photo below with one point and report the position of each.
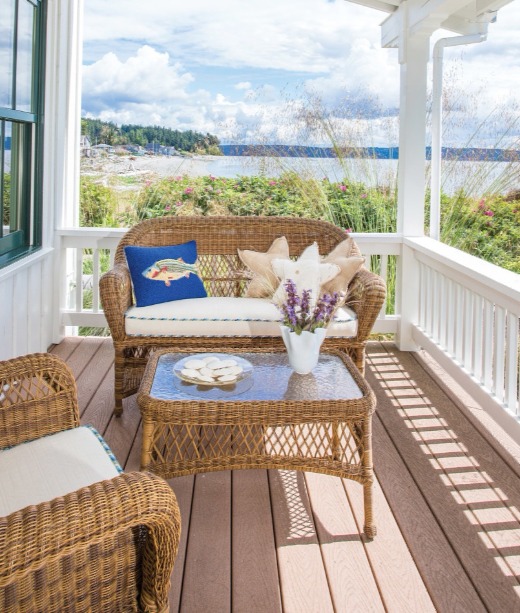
(420, 16)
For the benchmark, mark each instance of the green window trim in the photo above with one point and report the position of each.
(21, 129)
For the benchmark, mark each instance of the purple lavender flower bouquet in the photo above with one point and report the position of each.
(303, 326)
(300, 315)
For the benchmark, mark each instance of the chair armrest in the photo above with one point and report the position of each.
(366, 296)
(37, 397)
(115, 290)
(88, 543)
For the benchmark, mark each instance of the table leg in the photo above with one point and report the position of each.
(146, 448)
(369, 527)
(368, 474)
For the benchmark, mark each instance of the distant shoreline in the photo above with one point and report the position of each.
(473, 154)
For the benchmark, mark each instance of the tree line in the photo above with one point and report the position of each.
(110, 134)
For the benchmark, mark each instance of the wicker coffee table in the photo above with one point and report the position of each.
(320, 422)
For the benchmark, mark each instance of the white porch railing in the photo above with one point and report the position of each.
(469, 321)
(468, 315)
(86, 253)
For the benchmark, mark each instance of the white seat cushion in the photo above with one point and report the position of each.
(226, 316)
(53, 466)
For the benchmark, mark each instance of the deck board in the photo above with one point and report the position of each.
(446, 508)
(458, 473)
(352, 584)
(255, 585)
(207, 567)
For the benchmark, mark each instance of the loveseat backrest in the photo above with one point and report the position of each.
(218, 239)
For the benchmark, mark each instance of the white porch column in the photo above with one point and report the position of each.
(62, 132)
(413, 57)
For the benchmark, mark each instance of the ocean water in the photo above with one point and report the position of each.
(475, 177)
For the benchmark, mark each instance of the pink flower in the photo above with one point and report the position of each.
(482, 204)
(343, 188)
(147, 183)
(272, 182)
(212, 178)
(167, 208)
(489, 213)
(179, 178)
(178, 203)
(348, 230)
(363, 196)
(188, 190)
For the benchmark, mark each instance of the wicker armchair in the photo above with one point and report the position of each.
(106, 547)
(218, 239)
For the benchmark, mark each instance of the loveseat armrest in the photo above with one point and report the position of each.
(82, 552)
(366, 296)
(38, 396)
(115, 290)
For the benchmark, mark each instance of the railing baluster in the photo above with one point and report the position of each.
(78, 294)
(422, 301)
(512, 365)
(95, 281)
(459, 327)
(450, 328)
(478, 348)
(384, 274)
(469, 339)
(499, 344)
(488, 345)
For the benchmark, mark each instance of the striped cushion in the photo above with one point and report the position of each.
(224, 316)
(53, 466)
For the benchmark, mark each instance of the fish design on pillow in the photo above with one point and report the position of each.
(170, 270)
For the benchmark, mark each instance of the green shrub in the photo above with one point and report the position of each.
(97, 204)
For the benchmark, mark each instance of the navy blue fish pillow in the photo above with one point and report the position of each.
(162, 274)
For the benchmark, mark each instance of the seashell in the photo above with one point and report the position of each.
(209, 358)
(190, 372)
(227, 378)
(207, 372)
(235, 370)
(218, 372)
(228, 363)
(205, 379)
(194, 364)
(214, 364)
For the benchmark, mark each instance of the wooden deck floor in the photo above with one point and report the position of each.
(447, 508)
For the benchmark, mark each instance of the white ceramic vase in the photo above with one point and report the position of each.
(303, 349)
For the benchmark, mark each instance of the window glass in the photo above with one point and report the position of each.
(6, 52)
(24, 56)
(22, 34)
(5, 169)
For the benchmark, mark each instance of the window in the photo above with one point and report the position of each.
(22, 28)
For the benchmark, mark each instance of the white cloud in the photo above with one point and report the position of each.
(148, 61)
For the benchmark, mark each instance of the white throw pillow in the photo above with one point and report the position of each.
(307, 272)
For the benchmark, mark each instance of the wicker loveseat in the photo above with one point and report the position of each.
(105, 547)
(224, 275)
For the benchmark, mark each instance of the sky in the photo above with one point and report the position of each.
(257, 71)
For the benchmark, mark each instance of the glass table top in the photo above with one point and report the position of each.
(271, 378)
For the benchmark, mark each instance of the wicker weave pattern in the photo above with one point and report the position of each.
(218, 239)
(181, 437)
(107, 547)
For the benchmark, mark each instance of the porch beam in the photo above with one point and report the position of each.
(420, 18)
(388, 6)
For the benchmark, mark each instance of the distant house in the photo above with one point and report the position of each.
(103, 149)
(85, 146)
(153, 148)
(169, 151)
